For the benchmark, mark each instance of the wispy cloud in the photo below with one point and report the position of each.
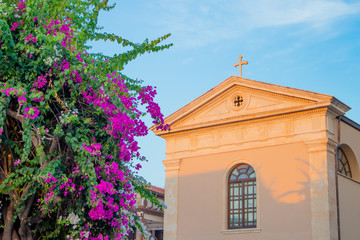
(198, 23)
(264, 13)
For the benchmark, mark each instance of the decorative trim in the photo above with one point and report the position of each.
(332, 144)
(243, 98)
(339, 107)
(254, 116)
(269, 93)
(237, 147)
(317, 145)
(242, 122)
(321, 144)
(240, 231)
(172, 165)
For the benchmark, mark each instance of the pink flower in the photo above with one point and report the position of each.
(14, 26)
(10, 91)
(93, 149)
(31, 112)
(17, 162)
(78, 57)
(40, 82)
(22, 5)
(40, 99)
(21, 100)
(68, 185)
(31, 38)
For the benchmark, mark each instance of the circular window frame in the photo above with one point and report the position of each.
(231, 101)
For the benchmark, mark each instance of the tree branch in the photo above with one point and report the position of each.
(24, 230)
(2, 174)
(8, 228)
(53, 145)
(15, 115)
(26, 190)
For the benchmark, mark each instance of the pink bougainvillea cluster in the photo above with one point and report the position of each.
(31, 112)
(31, 38)
(88, 118)
(40, 82)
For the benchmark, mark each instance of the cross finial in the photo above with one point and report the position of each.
(240, 64)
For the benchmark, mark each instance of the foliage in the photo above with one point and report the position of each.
(68, 122)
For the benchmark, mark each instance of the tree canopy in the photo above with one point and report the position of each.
(68, 123)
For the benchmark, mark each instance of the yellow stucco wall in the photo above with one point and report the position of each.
(349, 190)
(349, 208)
(283, 194)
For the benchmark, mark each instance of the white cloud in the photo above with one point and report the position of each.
(197, 23)
(264, 13)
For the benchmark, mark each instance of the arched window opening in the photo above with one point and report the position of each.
(343, 163)
(242, 197)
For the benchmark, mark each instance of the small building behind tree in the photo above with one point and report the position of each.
(150, 215)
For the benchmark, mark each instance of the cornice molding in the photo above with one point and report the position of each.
(172, 165)
(251, 117)
(241, 122)
(321, 144)
(237, 147)
(337, 107)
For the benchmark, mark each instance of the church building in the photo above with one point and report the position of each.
(256, 161)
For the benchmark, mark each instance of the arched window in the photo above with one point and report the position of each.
(242, 197)
(343, 163)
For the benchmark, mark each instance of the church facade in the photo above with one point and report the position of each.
(257, 161)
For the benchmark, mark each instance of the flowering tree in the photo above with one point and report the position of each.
(68, 122)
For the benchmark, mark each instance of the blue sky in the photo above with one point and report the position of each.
(307, 44)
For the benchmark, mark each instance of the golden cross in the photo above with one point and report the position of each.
(240, 64)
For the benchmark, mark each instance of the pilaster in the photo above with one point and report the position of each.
(322, 189)
(172, 168)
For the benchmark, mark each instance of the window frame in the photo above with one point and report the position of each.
(242, 184)
(341, 162)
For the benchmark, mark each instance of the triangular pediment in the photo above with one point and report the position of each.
(239, 99)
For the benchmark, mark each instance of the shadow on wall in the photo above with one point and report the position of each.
(283, 195)
(282, 213)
